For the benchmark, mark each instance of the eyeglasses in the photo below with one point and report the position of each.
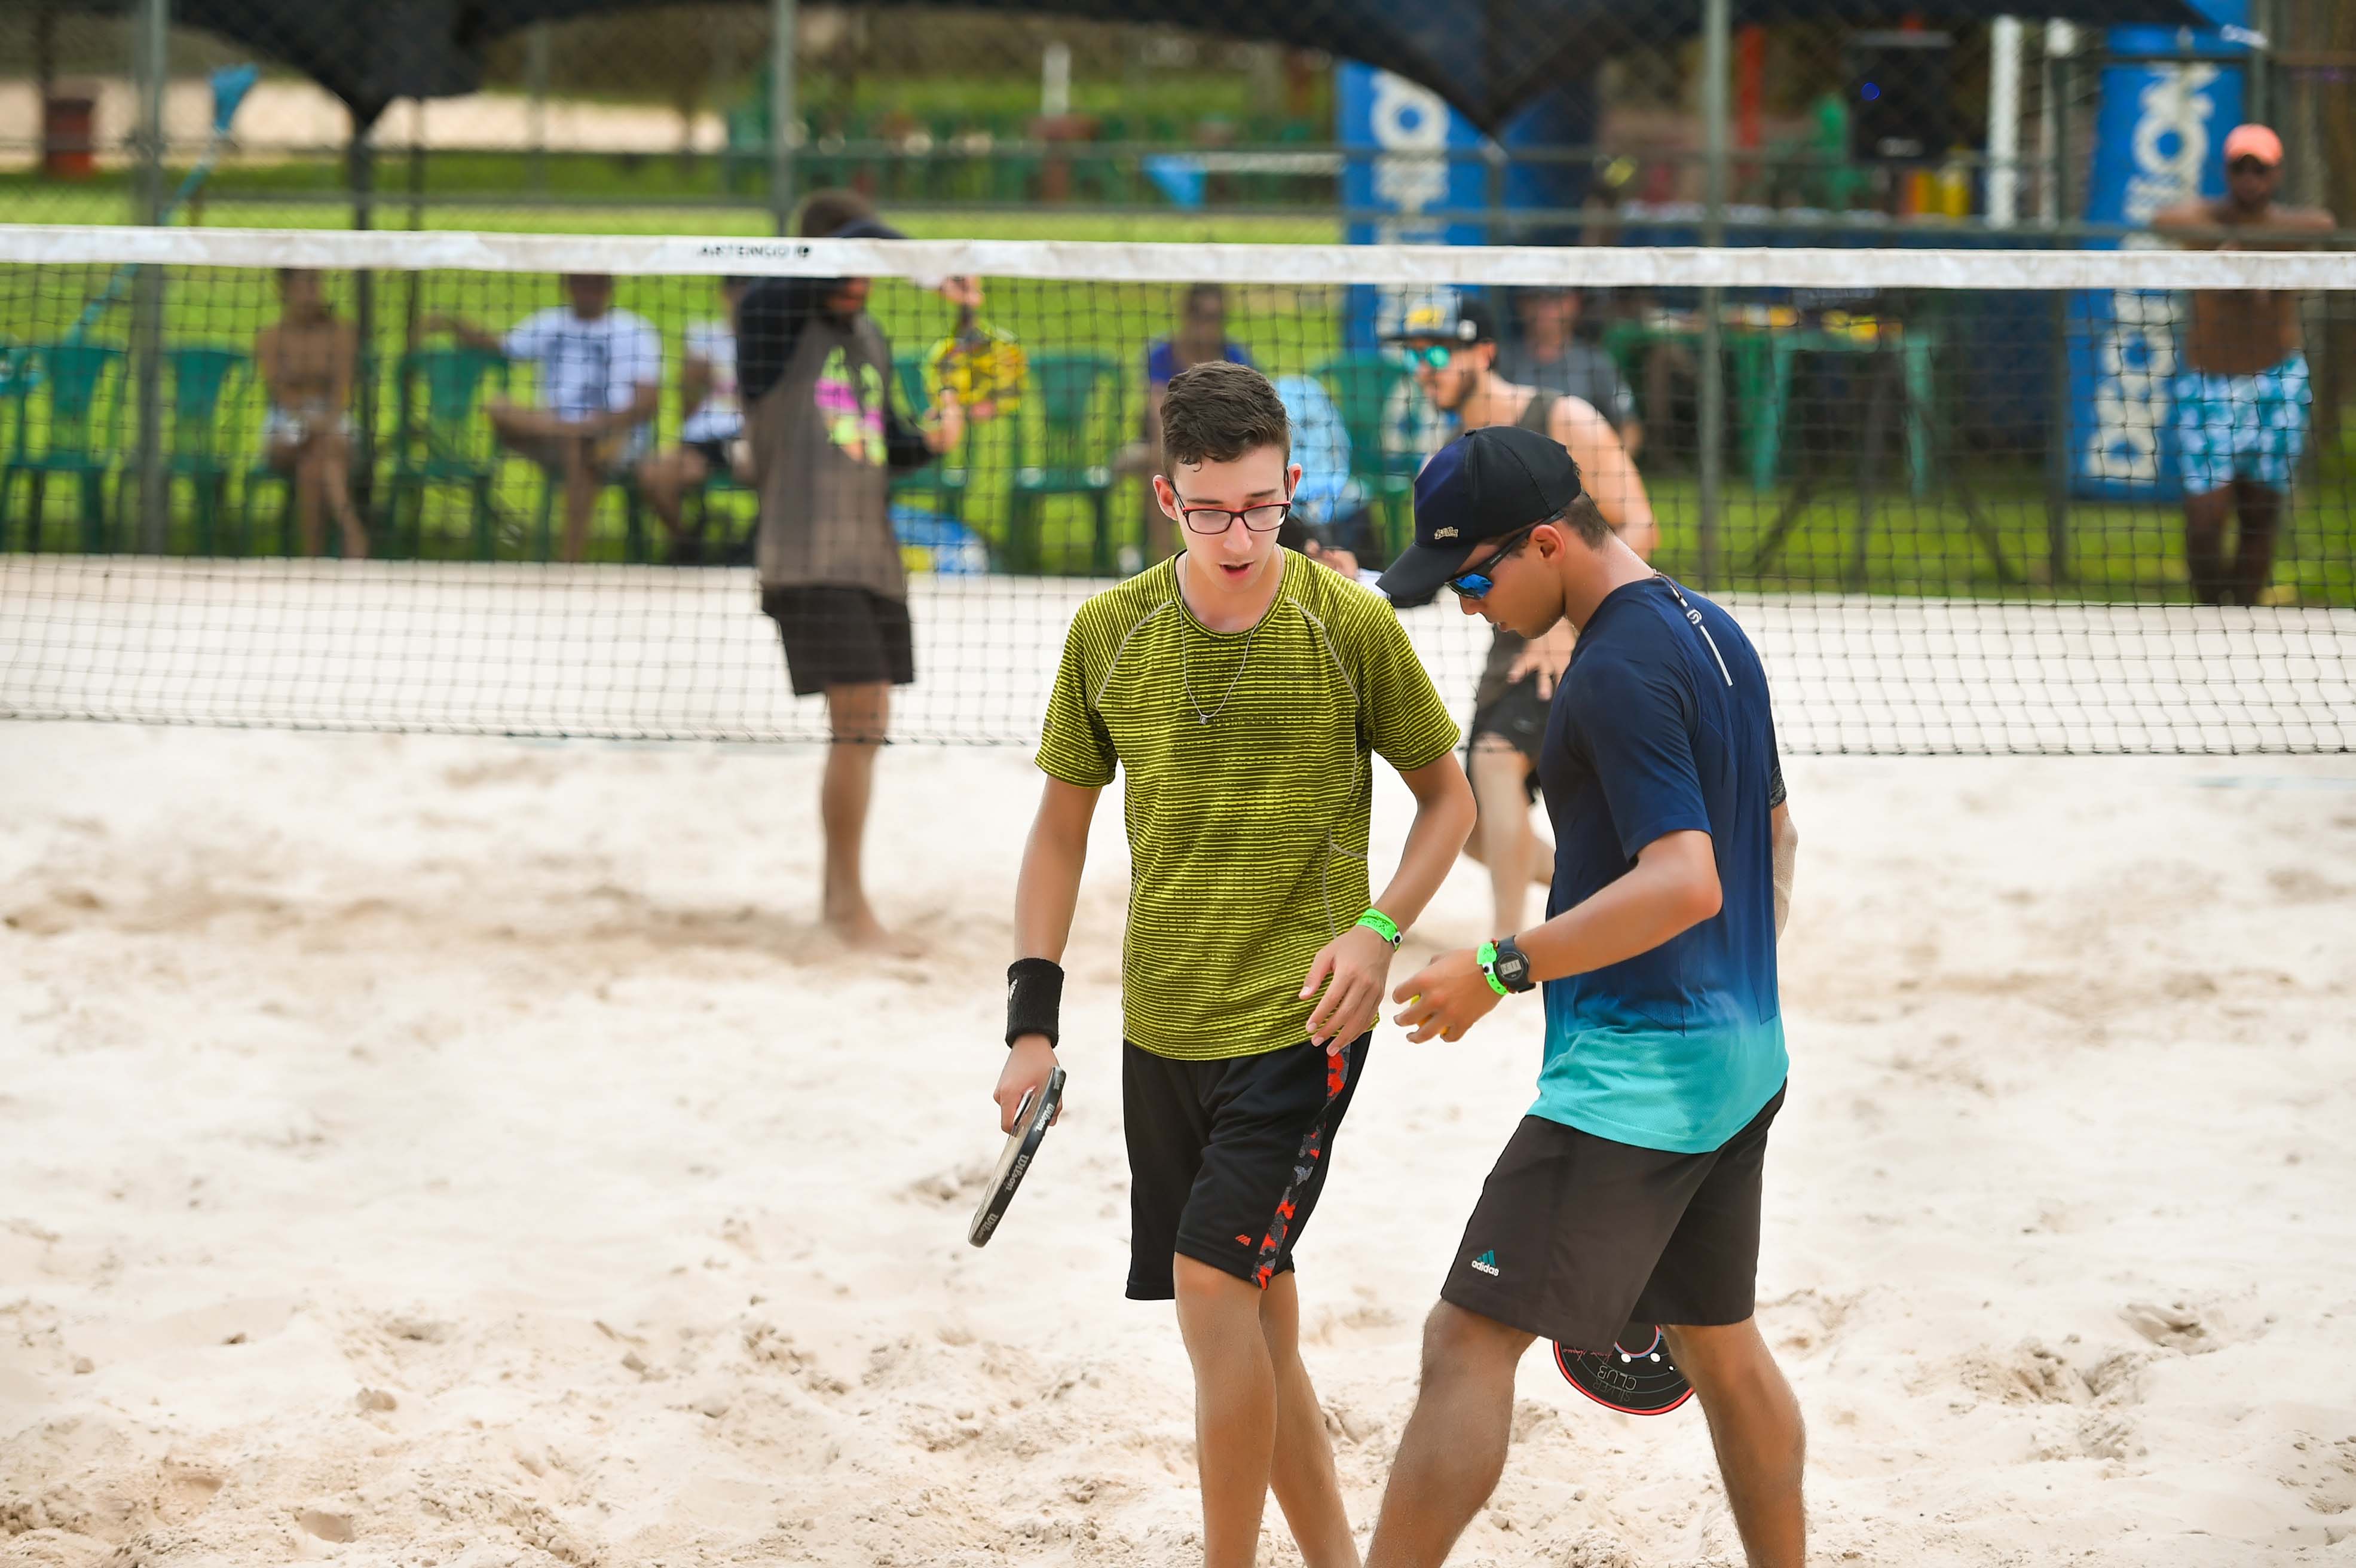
(1476, 584)
(1430, 356)
(1212, 521)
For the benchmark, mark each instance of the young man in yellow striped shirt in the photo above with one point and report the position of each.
(1244, 690)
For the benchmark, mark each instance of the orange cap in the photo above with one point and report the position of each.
(2253, 142)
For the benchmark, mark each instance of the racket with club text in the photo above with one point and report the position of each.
(1635, 1376)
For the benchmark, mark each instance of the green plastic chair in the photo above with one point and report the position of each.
(446, 446)
(946, 484)
(78, 377)
(1069, 460)
(18, 379)
(197, 380)
(1362, 384)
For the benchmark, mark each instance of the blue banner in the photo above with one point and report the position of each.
(2158, 138)
(1406, 153)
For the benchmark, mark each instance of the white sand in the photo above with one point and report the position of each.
(454, 1151)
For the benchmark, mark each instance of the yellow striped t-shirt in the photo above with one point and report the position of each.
(1248, 830)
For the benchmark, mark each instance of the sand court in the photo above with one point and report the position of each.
(422, 1150)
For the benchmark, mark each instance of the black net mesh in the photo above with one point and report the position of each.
(1951, 494)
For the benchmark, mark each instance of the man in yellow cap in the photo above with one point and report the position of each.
(2241, 393)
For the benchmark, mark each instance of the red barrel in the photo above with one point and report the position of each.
(69, 138)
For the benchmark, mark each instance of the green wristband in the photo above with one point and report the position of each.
(1487, 958)
(1381, 924)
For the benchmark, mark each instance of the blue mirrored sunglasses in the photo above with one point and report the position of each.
(1477, 584)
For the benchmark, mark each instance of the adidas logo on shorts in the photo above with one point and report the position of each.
(1487, 1264)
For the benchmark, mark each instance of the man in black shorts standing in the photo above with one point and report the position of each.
(1241, 692)
(1630, 1191)
(816, 376)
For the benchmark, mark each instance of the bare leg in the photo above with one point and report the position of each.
(1755, 1426)
(1235, 1408)
(2253, 545)
(665, 479)
(1541, 856)
(307, 526)
(516, 424)
(581, 486)
(1454, 1446)
(858, 717)
(2204, 544)
(336, 486)
(1301, 1471)
(1504, 827)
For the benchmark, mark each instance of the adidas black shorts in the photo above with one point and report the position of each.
(1227, 1158)
(1575, 1236)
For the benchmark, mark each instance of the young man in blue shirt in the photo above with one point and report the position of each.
(1630, 1191)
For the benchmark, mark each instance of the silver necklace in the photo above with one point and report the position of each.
(1185, 672)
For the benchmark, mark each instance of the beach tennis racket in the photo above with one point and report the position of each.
(1030, 1119)
(1635, 1376)
(983, 367)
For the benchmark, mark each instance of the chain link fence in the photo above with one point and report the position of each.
(667, 118)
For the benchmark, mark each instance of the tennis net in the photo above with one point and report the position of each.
(1947, 491)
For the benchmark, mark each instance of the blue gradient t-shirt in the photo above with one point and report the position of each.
(1661, 725)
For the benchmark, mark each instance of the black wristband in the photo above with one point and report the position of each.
(1035, 999)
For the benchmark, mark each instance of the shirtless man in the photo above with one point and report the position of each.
(1454, 352)
(2241, 395)
(307, 359)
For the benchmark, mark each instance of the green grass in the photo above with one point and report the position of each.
(1918, 545)
(1924, 546)
(1168, 100)
(1294, 331)
(28, 202)
(632, 193)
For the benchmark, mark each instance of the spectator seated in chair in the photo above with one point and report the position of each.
(601, 383)
(307, 359)
(711, 437)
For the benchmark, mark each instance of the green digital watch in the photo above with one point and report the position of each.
(1505, 967)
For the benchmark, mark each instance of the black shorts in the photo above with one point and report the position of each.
(1576, 1237)
(1517, 714)
(841, 636)
(1227, 1158)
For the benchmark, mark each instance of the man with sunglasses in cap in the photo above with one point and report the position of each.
(1629, 1193)
(1452, 346)
(1241, 691)
(2242, 394)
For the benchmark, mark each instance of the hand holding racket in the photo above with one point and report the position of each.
(1030, 1063)
(1025, 1124)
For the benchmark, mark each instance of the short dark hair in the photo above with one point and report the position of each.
(1198, 292)
(831, 211)
(1583, 518)
(1217, 412)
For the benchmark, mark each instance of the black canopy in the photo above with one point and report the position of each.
(1486, 57)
